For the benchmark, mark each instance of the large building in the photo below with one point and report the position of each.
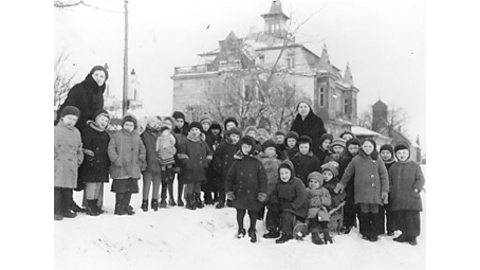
(333, 94)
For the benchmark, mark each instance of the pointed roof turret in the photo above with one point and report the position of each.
(324, 58)
(275, 10)
(380, 104)
(347, 77)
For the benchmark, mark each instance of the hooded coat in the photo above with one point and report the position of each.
(312, 126)
(87, 96)
(68, 155)
(304, 165)
(95, 169)
(291, 196)
(406, 176)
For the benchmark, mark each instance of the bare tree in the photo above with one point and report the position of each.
(62, 79)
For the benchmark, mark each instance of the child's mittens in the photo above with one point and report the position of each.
(88, 152)
(230, 196)
(262, 197)
(339, 188)
(385, 197)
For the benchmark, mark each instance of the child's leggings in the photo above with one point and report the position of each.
(369, 219)
(253, 218)
(153, 178)
(408, 221)
(92, 190)
(287, 222)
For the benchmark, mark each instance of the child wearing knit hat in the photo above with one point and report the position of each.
(291, 147)
(405, 202)
(319, 200)
(305, 161)
(323, 150)
(230, 122)
(68, 156)
(388, 157)
(337, 147)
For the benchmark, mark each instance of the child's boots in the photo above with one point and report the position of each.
(163, 203)
(144, 205)
(274, 233)
(326, 237)
(154, 204)
(316, 239)
(92, 208)
(198, 200)
(284, 238)
(241, 233)
(252, 235)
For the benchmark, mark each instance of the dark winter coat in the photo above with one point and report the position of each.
(127, 154)
(183, 130)
(322, 155)
(405, 178)
(291, 152)
(149, 139)
(370, 178)
(246, 178)
(281, 154)
(291, 196)
(213, 141)
(95, 169)
(223, 158)
(87, 96)
(68, 155)
(194, 166)
(304, 165)
(312, 126)
(271, 165)
(343, 162)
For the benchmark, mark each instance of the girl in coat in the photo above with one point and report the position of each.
(291, 146)
(213, 140)
(388, 157)
(68, 156)
(195, 157)
(371, 187)
(223, 160)
(94, 170)
(152, 173)
(246, 187)
(305, 161)
(290, 197)
(323, 151)
(319, 200)
(127, 154)
(407, 182)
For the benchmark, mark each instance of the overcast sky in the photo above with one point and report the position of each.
(384, 41)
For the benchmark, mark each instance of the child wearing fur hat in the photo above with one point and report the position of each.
(388, 157)
(223, 159)
(319, 200)
(270, 162)
(68, 156)
(290, 196)
(127, 154)
(94, 169)
(206, 123)
(337, 147)
(323, 150)
(213, 140)
(350, 209)
(371, 187)
(305, 161)
(230, 122)
(246, 187)
(195, 158)
(280, 144)
(406, 204)
(253, 133)
(347, 135)
(152, 173)
(291, 147)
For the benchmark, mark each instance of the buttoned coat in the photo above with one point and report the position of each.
(95, 169)
(195, 166)
(127, 154)
(68, 155)
(405, 178)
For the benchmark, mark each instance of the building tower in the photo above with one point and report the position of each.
(275, 20)
(379, 116)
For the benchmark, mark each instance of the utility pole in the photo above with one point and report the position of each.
(125, 64)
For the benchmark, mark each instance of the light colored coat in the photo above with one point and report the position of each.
(68, 155)
(127, 154)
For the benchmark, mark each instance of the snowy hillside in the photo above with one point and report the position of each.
(177, 238)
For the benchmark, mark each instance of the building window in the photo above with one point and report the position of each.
(248, 93)
(322, 97)
(345, 107)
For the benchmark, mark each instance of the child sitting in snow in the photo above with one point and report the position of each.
(246, 187)
(290, 196)
(291, 147)
(270, 162)
(406, 204)
(318, 217)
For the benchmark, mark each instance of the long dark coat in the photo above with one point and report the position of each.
(291, 196)
(194, 167)
(312, 126)
(223, 160)
(246, 178)
(95, 169)
(149, 139)
(370, 178)
(405, 177)
(87, 96)
(304, 165)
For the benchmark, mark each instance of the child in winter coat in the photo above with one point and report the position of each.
(371, 187)
(246, 187)
(68, 155)
(253, 133)
(280, 145)
(407, 182)
(223, 159)
(166, 150)
(388, 157)
(206, 123)
(95, 166)
(305, 161)
(319, 200)
(323, 150)
(230, 122)
(213, 140)
(127, 154)
(152, 173)
(330, 174)
(347, 135)
(291, 147)
(195, 158)
(350, 209)
(337, 148)
(290, 196)
(270, 162)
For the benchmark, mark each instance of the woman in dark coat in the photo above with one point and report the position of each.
(246, 187)
(87, 96)
(308, 123)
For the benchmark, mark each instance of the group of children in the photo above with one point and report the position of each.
(302, 190)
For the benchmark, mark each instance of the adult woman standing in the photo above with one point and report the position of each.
(87, 96)
(308, 123)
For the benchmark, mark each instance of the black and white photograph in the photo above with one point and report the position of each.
(255, 134)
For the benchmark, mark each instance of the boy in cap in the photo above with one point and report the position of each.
(68, 156)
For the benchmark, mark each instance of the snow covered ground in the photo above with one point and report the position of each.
(177, 238)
